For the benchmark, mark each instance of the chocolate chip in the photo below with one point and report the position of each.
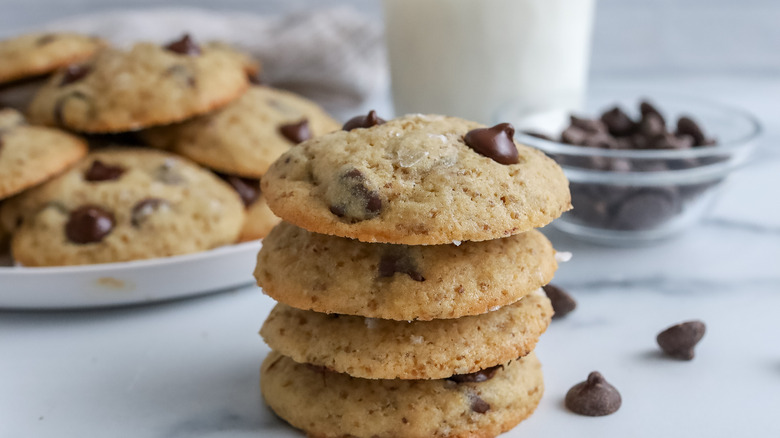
(646, 208)
(354, 200)
(476, 377)
(592, 126)
(647, 109)
(652, 125)
(678, 340)
(248, 189)
(99, 171)
(45, 39)
(74, 73)
(184, 46)
(60, 105)
(495, 143)
(574, 136)
(687, 126)
(142, 209)
(668, 140)
(367, 121)
(255, 79)
(478, 405)
(594, 397)
(618, 123)
(562, 302)
(296, 132)
(392, 262)
(88, 224)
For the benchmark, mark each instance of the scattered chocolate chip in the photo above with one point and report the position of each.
(367, 121)
(184, 46)
(562, 302)
(618, 123)
(687, 126)
(678, 340)
(142, 209)
(495, 143)
(74, 73)
(248, 189)
(392, 262)
(100, 171)
(594, 397)
(60, 105)
(478, 405)
(88, 224)
(296, 132)
(647, 109)
(355, 201)
(476, 377)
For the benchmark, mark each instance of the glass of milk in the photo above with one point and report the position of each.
(469, 58)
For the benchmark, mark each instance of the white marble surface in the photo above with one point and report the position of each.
(190, 368)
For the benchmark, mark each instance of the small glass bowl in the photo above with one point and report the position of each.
(625, 197)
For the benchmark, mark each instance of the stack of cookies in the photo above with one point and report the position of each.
(408, 273)
(218, 130)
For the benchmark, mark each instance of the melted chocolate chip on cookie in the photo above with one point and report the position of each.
(357, 202)
(478, 405)
(495, 143)
(184, 46)
(88, 224)
(367, 121)
(100, 171)
(296, 132)
(74, 73)
(476, 377)
(144, 208)
(394, 262)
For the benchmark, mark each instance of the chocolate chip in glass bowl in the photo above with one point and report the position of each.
(88, 224)
(618, 123)
(649, 110)
(184, 46)
(646, 209)
(594, 397)
(296, 132)
(495, 143)
(367, 121)
(679, 340)
(687, 126)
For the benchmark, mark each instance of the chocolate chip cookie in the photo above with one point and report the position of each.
(30, 154)
(148, 85)
(245, 137)
(417, 180)
(41, 53)
(328, 404)
(336, 275)
(383, 349)
(123, 204)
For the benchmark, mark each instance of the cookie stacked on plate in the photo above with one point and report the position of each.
(408, 274)
(200, 104)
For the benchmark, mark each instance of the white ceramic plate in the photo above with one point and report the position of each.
(137, 282)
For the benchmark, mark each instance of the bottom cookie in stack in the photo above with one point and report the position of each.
(329, 404)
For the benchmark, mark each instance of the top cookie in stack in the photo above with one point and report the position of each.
(434, 339)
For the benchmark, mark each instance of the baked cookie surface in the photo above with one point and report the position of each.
(30, 154)
(148, 85)
(41, 53)
(120, 205)
(413, 180)
(327, 404)
(331, 274)
(245, 137)
(384, 349)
